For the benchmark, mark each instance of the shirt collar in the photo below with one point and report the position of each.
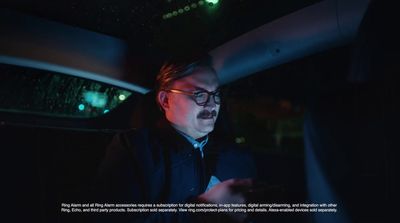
(195, 143)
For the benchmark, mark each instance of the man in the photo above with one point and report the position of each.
(176, 161)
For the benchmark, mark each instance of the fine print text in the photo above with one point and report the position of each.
(198, 208)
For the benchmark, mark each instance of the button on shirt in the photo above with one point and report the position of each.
(200, 146)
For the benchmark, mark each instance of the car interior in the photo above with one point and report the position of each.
(309, 88)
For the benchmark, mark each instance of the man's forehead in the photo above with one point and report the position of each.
(202, 77)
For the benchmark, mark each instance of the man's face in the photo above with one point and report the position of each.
(183, 112)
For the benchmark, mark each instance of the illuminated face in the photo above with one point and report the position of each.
(182, 111)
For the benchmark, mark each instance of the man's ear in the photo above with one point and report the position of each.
(162, 98)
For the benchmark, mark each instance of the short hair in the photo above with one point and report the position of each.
(177, 68)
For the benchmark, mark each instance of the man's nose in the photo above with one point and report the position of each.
(210, 102)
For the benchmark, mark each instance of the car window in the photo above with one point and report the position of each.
(27, 90)
(266, 123)
(269, 124)
(268, 107)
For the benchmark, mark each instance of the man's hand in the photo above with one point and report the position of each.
(231, 191)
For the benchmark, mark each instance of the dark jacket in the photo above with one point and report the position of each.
(158, 165)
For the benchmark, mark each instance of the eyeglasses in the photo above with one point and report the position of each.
(200, 97)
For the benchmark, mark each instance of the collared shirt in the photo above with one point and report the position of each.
(195, 143)
(200, 145)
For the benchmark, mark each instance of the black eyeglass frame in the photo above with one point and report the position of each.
(214, 94)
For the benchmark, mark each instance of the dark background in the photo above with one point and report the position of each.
(347, 98)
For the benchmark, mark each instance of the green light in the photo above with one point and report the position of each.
(174, 13)
(121, 97)
(240, 140)
(81, 107)
(105, 111)
(186, 8)
(201, 2)
(180, 11)
(193, 5)
(212, 1)
(95, 99)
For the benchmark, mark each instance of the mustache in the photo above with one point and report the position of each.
(207, 114)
